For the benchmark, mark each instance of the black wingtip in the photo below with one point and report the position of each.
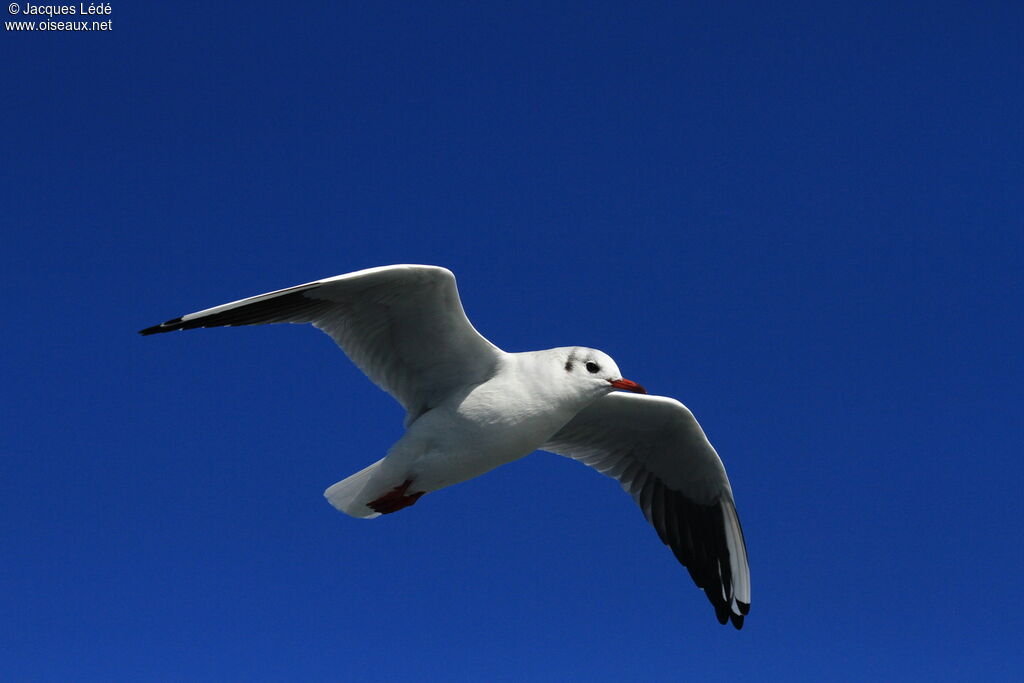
(162, 327)
(737, 621)
(744, 607)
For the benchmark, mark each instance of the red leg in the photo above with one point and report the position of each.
(395, 499)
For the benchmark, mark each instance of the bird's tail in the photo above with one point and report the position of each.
(350, 495)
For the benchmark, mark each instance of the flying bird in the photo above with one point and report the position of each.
(471, 407)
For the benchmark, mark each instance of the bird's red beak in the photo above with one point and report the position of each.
(627, 385)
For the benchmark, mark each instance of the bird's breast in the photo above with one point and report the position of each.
(510, 416)
(481, 429)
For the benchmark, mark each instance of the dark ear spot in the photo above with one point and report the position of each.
(568, 366)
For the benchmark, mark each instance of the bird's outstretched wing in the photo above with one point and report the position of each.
(402, 325)
(659, 454)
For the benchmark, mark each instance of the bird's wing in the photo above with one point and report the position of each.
(403, 326)
(659, 454)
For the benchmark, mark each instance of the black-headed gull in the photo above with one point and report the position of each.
(471, 407)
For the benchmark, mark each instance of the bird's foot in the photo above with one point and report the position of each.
(395, 499)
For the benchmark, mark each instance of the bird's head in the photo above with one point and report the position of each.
(595, 370)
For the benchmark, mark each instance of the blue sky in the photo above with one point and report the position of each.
(805, 223)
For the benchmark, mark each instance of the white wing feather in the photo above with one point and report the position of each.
(404, 326)
(659, 454)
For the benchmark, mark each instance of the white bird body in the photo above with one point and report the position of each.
(471, 407)
(478, 428)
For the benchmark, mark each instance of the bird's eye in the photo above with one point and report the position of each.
(593, 367)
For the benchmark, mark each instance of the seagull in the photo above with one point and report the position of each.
(471, 407)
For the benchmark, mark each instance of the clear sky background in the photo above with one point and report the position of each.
(805, 223)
